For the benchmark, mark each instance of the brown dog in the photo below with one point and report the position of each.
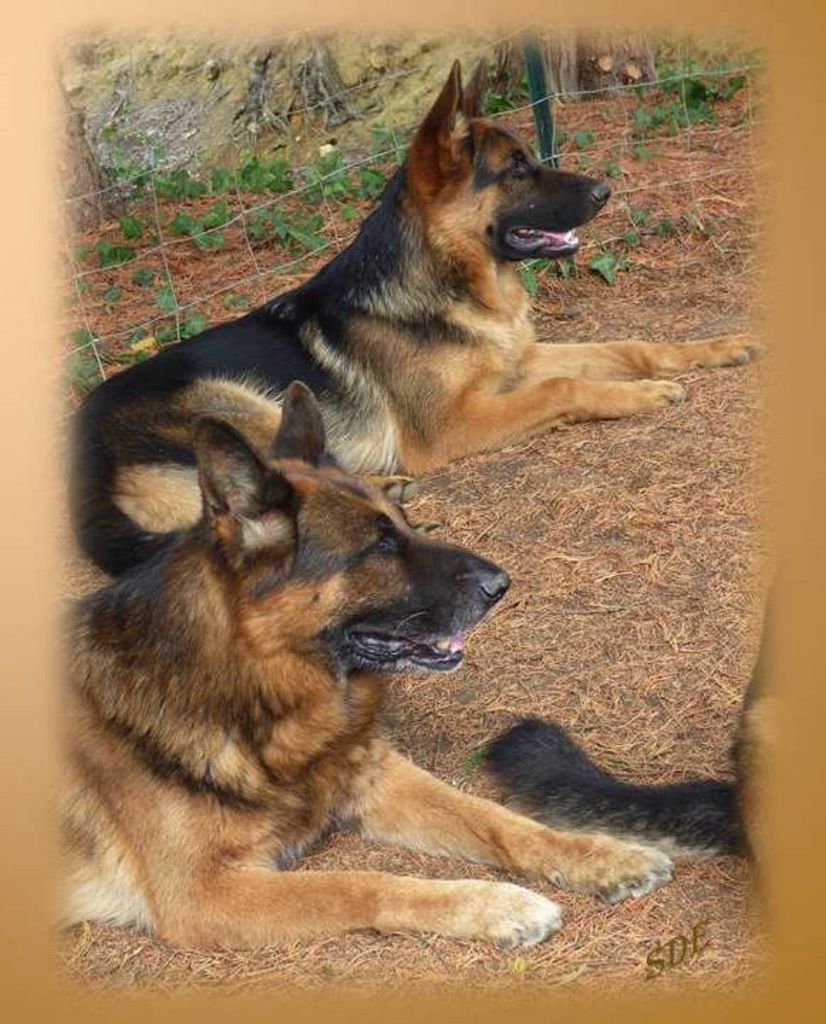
(416, 340)
(223, 713)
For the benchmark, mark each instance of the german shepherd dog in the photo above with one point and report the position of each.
(223, 713)
(545, 772)
(416, 340)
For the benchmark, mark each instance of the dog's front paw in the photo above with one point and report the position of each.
(505, 914)
(662, 392)
(400, 489)
(733, 351)
(616, 871)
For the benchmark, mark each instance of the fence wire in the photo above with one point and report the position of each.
(190, 272)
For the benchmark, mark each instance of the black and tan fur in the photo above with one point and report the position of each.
(416, 340)
(223, 713)
(545, 772)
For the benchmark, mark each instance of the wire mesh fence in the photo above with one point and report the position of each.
(187, 250)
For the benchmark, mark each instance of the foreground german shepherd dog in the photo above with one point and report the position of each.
(223, 714)
(416, 340)
(546, 773)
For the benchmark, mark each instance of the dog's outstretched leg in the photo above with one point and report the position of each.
(402, 804)
(626, 360)
(483, 421)
(251, 907)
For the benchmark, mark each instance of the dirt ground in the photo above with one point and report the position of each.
(638, 564)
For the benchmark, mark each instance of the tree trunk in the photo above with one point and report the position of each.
(590, 63)
(87, 204)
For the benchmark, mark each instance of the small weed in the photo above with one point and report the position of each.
(193, 325)
(529, 272)
(583, 138)
(144, 277)
(131, 228)
(256, 175)
(112, 294)
(664, 226)
(695, 95)
(371, 183)
(607, 264)
(298, 233)
(327, 179)
(204, 232)
(82, 371)
(179, 184)
(111, 255)
(233, 301)
(165, 299)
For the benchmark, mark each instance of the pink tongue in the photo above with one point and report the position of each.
(456, 643)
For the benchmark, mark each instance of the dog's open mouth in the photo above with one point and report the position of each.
(384, 649)
(536, 242)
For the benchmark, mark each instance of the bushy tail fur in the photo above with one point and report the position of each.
(105, 533)
(543, 769)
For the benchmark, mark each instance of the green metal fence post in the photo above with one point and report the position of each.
(542, 110)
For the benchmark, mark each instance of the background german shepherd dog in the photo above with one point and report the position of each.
(223, 714)
(415, 339)
(545, 772)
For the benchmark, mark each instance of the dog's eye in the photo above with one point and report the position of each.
(519, 164)
(389, 541)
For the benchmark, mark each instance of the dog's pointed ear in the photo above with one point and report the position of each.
(434, 154)
(473, 101)
(301, 433)
(235, 481)
(442, 115)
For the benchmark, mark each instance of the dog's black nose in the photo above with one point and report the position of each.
(600, 194)
(494, 583)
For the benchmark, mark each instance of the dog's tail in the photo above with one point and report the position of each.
(547, 774)
(105, 533)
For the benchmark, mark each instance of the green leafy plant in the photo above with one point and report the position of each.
(203, 232)
(82, 371)
(529, 273)
(257, 175)
(111, 255)
(371, 183)
(131, 228)
(582, 138)
(297, 232)
(695, 93)
(143, 277)
(165, 299)
(193, 325)
(607, 263)
(179, 184)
